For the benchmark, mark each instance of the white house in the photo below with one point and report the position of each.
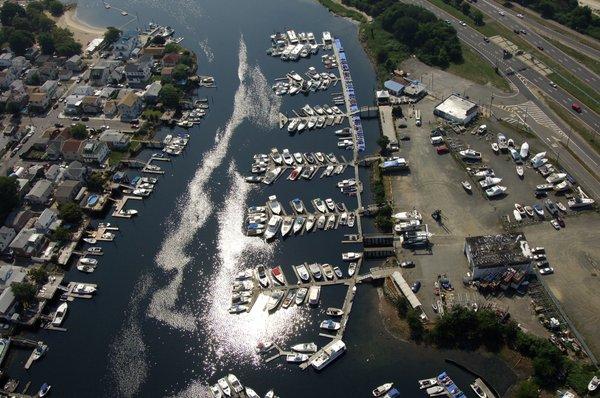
(6, 236)
(94, 151)
(47, 221)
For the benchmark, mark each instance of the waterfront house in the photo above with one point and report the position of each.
(9, 274)
(47, 221)
(115, 139)
(19, 219)
(139, 71)
(393, 87)
(76, 171)
(154, 51)
(124, 47)
(27, 243)
(74, 64)
(494, 254)
(7, 235)
(66, 191)
(40, 193)
(6, 78)
(151, 94)
(130, 107)
(93, 151)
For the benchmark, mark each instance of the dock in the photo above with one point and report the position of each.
(121, 203)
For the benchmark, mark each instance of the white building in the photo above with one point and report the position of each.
(457, 109)
(6, 236)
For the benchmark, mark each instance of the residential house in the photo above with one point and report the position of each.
(75, 171)
(91, 104)
(27, 243)
(167, 73)
(17, 93)
(50, 87)
(100, 73)
(24, 186)
(73, 104)
(47, 221)
(94, 151)
(7, 235)
(52, 140)
(6, 60)
(151, 94)
(48, 71)
(115, 139)
(170, 59)
(74, 64)
(130, 107)
(19, 64)
(66, 191)
(39, 101)
(110, 108)
(84, 90)
(7, 76)
(154, 51)
(9, 274)
(54, 173)
(40, 193)
(64, 74)
(19, 219)
(125, 45)
(139, 71)
(70, 149)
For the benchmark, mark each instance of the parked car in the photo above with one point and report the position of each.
(555, 224)
(538, 250)
(85, 119)
(407, 264)
(547, 271)
(442, 149)
(560, 222)
(415, 286)
(552, 84)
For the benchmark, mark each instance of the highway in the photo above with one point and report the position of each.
(512, 22)
(526, 80)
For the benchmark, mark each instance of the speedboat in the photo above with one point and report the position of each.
(296, 358)
(293, 125)
(286, 226)
(321, 221)
(295, 173)
(298, 205)
(470, 154)
(274, 204)
(351, 256)
(305, 347)
(287, 157)
(408, 215)
(337, 271)
(44, 390)
(278, 275)
(593, 384)
(490, 181)
(301, 295)
(320, 205)
(328, 271)
(351, 219)
(39, 351)
(331, 158)
(466, 185)
(330, 204)
(256, 209)
(331, 311)
(329, 355)
(82, 288)
(263, 278)
(274, 300)
(495, 191)
(480, 393)
(216, 391)
(382, 389)
(276, 156)
(556, 178)
(289, 298)
(329, 324)
(539, 210)
(60, 314)
(310, 223)
(235, 383)
(436, 390)
(272, 227)
(250, 393)
(88, 269)
(352, 269)
(520, 170)
(302, 272)
(298, 224)
(313, 295)
(426, 383)
(224, 386)
(88, 261)
(310, 158)
(320, 157)
(315, 270)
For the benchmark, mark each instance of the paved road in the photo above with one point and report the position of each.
(526, 79)
(511, 21)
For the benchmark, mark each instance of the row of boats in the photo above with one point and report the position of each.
(291, 46)
(230, 386)
(317, 119)
(294, 83)
(175, 144)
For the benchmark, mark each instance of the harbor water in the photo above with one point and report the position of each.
(159, 324)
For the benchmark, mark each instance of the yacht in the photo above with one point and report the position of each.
(351, 256)
(286, 226)
(352, 269)
(301, 295)
(562, 186)
(94, 250)
(329, 355)
(320, 205)
(308, 172)
(235, 383)
(328, 271)
(426, 383)
(274, 300)
(579, 202)
(263, 278)
(308, 111)
(296, 358)
(276, 156)
(301, 125)
(315, 270)
(274, 204)
(382, 389)
(330, 204)
(272, 227)
(490, 181)
(272, 175)
(82, 288)
(313, 295)
(298, 224)
(407, 216)
(277, 274)
(60, 314)
(351, 219)
(224, 386)
(495, 191)
(305, 347)
(329, 324)
(287, 157)
(302, 272)
(470, 154)
(593, 384)
(320, 157)
(331, 157)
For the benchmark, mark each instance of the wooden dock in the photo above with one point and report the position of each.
(121, 203)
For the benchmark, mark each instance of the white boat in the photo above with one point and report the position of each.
(517, 215)
(475, 387)
(274, 300)
(293, 125)
(302, 272)
(352, 269)
(331, 311)
(250, 393)
(328, 355)
(82, 288)
(330, 222)
(91, 241)
(235, 383)
(39, 351)
(298, 224)
(314, 292)
(94, 250)
(301, 295)
(263, 278)
(277, 274)
(320, 205)
(296, 358)
(407, 216)
(426, 383)
(61, 313)
(556, 178)
(562, 186)
(579, 202)
(312, 122)
(593, 384)
(272, 227)
(490, 181)
(287, 157)
(88, 269)
(287, 224)
(321, 220)
(382, 389)
(351, 256)
(270, 394)
(329, 324)
(524, 152)
(315, 270)
(88, 261)
(330, 204)
(495, 147)
(305, 347)
(276, 156)
(528, 211)
(328, 271)
(495, 191)
(466, 185)
(308, 110)
(274, 204)
(310, 222)
(337, 271)
(470, 154)
(301, 125)
(520, 170)
(224, 386)
(435, 390)
(298, 205)
(351, 219)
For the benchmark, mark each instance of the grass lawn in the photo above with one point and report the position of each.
(477, 69)
(341, 10)
(116, 156)
(592, 64)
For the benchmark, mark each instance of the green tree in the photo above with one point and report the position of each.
(34, 79)
(180, 72)
(46, 43)
(70, 212)
(95, 182)
(64, 42)
(56, 8)
(9, 195)
(477, 17)
(170, 96)
(61, 234)
(38, 274)
(8, 11)
(172, 48)
(79, 131)
(111, 35)
(528, 389)
(13, 108)
(417, 331)
(24, 291)
(383, 141)
(20, 41)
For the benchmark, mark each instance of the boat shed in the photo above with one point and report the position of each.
(393, 87)
(401, 283)
(456, 109)
(494, 254)
(386, 119)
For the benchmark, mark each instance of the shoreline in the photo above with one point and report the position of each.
(83, 32)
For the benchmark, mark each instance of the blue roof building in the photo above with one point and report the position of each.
(394, 87)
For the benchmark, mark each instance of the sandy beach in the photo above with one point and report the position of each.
(83, 32)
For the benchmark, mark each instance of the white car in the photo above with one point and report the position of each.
(552, 84)
(555, 224)
(547, 271)
(520, 15)
(538, 249)
(502, 13)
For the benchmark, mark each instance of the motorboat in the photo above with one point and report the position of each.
(298, 224)
(352, 269)
(305, 347)
(539, 210)
(520, 209)
(408, 215)
(579, 202)
(216, 391)
(252, 179)
(331, 311)
(287, 157)
(128, 213)
(495, 191)
(296, 358)
(351, 256)
(82, 288)
(328, 271)
(238, 308)
(490, 181)
(88, 269)
(272, 227)
(257, 209)
(426, 383)
(466, 185)
(289, 298)
(310, 223)
(91, 241)
(302, 272)
(319, 110)
(308, 172)
(274, 300)
(330, 204)
(382, 389)
(320, 205)
(483, 173)
(263, 278)
(39, 351)
(351, 219)
(94, 250)
(235, 383)
(528, 211)
(337, 271)
(435, 390)
(346, 183)
(321, 221)
(286, 225)
(88, 261)
(61, 313)
(301, 295)
(404, 226)
(44, 390)
(328, 355)
(271, 175)
(298, 205)
(277, 274)
(555, 178)
(470, 154)
(593, 384)
(314, 292)
(329, 324)
(276, 156)
(562, 186)
(320, 157)
(330, 222)
(224, 386)
(308, 111)
(309, 157)
(561, 207)
(520, 170)
(295, 173)
(298, 157)
(495, 147)
(517, 215)
(311, 122)
(293, 124)
(331, 158)
(552, 209)
(315, 270)
(274, 204)
(250, 393)
(544, 187)
(328, 170)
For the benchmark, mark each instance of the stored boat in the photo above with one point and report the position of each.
(520, 170)
(470, 154)
(305, 347)
(224, 386)
(328, 271)
(261, 272)
(495, 191)
(272, 227)
(296, 358)
(529, 211)
(593, 384)
(216, 391)
(480, 393)
(466, 185)
(235, 383)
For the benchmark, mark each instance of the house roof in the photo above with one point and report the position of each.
(71, 145)
(171, 58)
(167, 71)
(393, 85)
(129, 99)
(40, 188)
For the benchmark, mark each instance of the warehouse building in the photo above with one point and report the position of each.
(456, 109)
(494, 254)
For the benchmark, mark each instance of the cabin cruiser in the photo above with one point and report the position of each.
(478, 390)
(330, 204)
(293, 124)
(426, 383)
(61, 313)
(331, 311)
(337, 271)
(274, 204)
(331, 157)
(276, 156)
(224, 386)
(320, 157)
(235, 383)
(490, 181)
(310, 222)
(410, 225)
(82, 288)
(328, 271)
(556, 178)
(351, 256)
(520, 171)
(88, 261)
(263, 278)
(579, 202)
(250, 393)
(272, 175)
(495, 191)
(305, 347)
(298, 224)
(328, 355)
(296, 358)
(272, 227)
(320, 205)
(315, 270)
(484, 173)
(382, 389)
(308, 172)
(295, 173)
(308, 111)
(289, 298)
(286, 226)
(352, 269)
(287, 157)
(313, 295)
(562, 186)
(302, 272)
(277, 274)
(301, 295)
(321, 221)
(407, 215)
(274, 300)
(256, 209)
(329, 324)
(351, 219)
(309, 157)
(470, 154)
(593, 384)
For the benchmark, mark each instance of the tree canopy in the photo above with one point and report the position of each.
(79, 131)
(111, 35)
(9, 195)
(24, 291)
(70, 212)
(170, 96)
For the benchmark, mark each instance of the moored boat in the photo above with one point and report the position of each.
(235, 383)
(352, 269)
(314, 292)
(305, 347)
(301, 295)
(329, 324)
(274, 300)
(382, 389)
(278, 275)
(296, 358)
(331, 311)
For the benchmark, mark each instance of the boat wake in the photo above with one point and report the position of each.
(210, 56)
(252, 101)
